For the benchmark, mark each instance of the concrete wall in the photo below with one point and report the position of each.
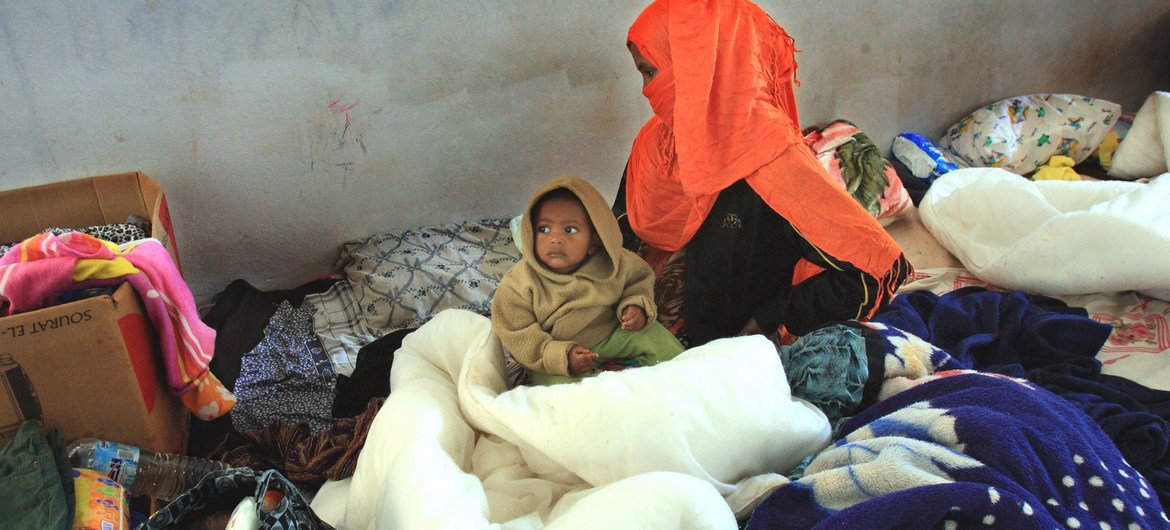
(280, 129)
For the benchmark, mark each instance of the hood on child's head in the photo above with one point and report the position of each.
(604, 223)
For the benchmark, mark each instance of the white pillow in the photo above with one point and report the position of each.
(1054, 237)
(722, 412)
(514, 225)
(1020, 134)
(1145, 150)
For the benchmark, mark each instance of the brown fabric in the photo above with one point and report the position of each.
(307, 460)
(669, 275)
(538, 314)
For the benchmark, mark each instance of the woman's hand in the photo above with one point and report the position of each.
(580, 360)
(633, 318)
(751, 328)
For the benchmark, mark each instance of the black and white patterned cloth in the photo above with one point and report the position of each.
(222, 490)
(287, 378)
(400, 280)
(117, 233)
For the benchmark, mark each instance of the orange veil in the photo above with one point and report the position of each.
(725, 110)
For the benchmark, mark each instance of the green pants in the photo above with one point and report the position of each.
(648, 347)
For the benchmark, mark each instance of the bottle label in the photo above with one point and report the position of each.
(117, 461)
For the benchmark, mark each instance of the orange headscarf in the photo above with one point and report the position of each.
(725, 110)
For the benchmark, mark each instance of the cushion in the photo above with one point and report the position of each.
(856, 163)
(1020, 134)
(404, 278)
(1146, 149)
(399, 280)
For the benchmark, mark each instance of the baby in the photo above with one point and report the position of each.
(577, 303)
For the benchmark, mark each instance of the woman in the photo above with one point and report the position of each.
(723, 198)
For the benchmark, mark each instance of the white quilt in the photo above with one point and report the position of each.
(690, 443)
(1054, 237)
(1145, 150)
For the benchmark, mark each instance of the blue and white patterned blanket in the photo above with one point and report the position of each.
(967, 449)
(1053, 346)
(994, 413)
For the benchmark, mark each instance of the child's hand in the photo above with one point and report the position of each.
(580, 360)
(633, 318)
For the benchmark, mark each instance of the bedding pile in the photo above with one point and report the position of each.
(963, 449)
(1029, 389)
(1054, 237)
(962, 432)
(690, 443)
(458, 443)
(1002, 418)
(1146, 149)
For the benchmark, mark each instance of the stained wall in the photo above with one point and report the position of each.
(281, 129)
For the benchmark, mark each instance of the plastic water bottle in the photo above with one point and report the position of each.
(142, 472)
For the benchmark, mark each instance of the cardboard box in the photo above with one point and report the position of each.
(87, 202)
(91, 367)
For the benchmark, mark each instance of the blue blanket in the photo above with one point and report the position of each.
(969, 449)
(986, 329)
(1054, 346)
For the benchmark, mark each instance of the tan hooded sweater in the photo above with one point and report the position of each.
(539, 314)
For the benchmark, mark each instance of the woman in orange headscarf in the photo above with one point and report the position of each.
(723, 198)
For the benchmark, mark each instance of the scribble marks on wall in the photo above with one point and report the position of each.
(338, 137)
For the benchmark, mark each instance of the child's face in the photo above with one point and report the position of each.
(563, 235)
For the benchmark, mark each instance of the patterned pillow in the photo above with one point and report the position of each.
(1020, 134)
(400, 280)
(853, 160)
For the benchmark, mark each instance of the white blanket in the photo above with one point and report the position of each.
(1145, 150)
(1054, 237)
(690, 443)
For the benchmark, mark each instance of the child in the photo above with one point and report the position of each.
(577, 303)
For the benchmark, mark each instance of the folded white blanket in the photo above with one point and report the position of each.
(1145, 150)
(689, 443)
(1054, 237)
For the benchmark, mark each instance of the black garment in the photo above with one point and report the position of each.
(915, 187)
(371, 375)
(739, 265)
(239, 316)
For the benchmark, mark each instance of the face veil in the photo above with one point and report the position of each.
(723, 105)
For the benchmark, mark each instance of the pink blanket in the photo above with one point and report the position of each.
(41, 267)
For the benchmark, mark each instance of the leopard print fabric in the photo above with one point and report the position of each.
(117, 233)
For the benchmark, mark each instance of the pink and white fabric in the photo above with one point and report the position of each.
(45, 265)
